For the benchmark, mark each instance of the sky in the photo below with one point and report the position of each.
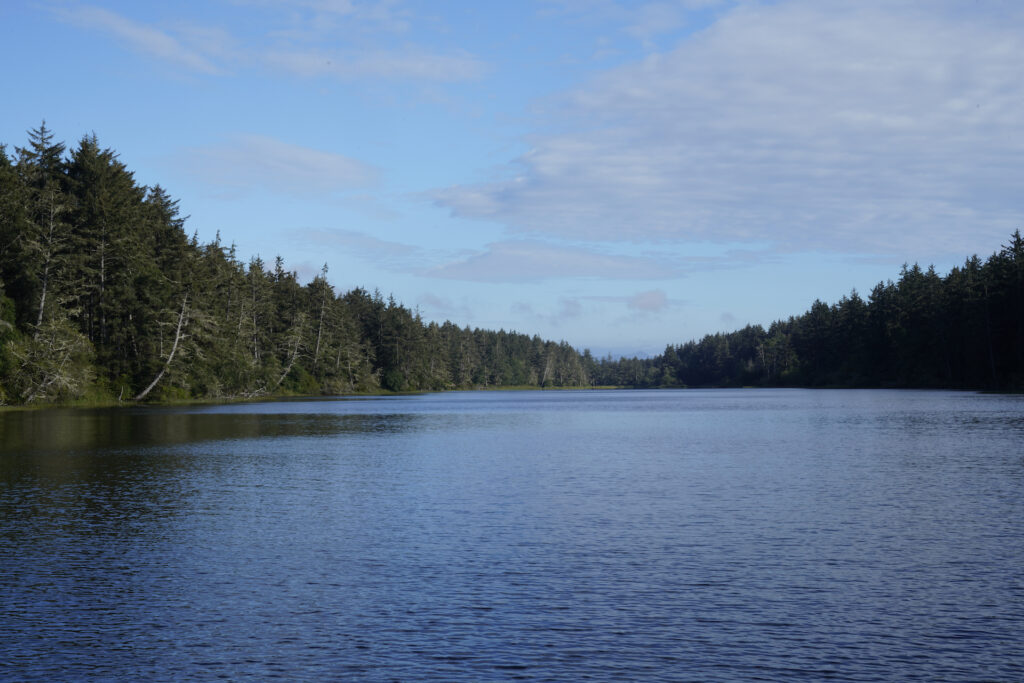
(619, 175)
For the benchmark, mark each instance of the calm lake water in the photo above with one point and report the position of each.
(633, 535)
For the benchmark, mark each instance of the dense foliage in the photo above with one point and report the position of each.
(104, 296)
(961, 331)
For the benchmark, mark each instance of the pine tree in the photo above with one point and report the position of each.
(108, 249)
(46, 236)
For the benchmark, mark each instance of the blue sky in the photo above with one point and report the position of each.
(620, 175)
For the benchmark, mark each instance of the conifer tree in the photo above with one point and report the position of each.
(46, 237)
(108, 247)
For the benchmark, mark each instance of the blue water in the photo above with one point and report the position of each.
(662, 535)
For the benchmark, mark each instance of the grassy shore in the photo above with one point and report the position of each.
(103, 401)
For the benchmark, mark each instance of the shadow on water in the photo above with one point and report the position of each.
(83, 471)
(70, 430)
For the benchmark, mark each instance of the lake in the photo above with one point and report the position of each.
(561, 535)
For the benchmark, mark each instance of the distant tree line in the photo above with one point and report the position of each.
(961, 331)
(104, 296)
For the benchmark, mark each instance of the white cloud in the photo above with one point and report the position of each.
(251, 162)
(874, 126)
(140, 37)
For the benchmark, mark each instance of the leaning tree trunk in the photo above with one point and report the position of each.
(296, 340)
(177, 338)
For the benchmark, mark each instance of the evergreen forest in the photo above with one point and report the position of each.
(105, 297)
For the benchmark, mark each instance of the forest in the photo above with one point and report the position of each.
(104, 297)
(961, 331)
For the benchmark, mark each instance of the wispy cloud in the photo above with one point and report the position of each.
(872, 127)
(384, 253)
(532, 261)
(649, 301)
(655, 18)
(251, 162)
(409, 63)
(568, 309)
(641, 20)
(217, 44)
(139, 37)
(526, 261)
(436, 307)
(320, 17)
(306, 45)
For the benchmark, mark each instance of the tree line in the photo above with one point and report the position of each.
(104, 296)
(961, 331)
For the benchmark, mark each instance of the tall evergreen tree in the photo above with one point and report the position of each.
(46, 236)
